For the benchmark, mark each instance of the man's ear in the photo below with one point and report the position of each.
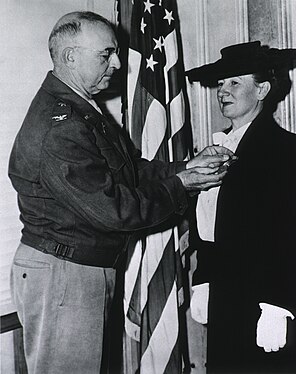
(264, 88)
(68, 57)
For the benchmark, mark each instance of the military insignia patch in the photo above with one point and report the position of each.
(61, 117)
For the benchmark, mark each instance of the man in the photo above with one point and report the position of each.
(83, 190)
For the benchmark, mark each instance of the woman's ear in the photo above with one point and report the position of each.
(264, 88)
(68, 57)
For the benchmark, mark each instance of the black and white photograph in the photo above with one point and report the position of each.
(148, 187)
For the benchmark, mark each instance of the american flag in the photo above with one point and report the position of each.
(156, 122)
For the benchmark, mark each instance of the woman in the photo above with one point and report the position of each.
(247, 233)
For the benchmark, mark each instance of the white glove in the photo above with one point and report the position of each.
(272, 327)
(199, 303)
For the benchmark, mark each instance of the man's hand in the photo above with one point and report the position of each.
(203, 170)
(198, 179)
(272, 327)
(212, 156)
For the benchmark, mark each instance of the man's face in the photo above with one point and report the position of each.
(95, 61)
(238, 96)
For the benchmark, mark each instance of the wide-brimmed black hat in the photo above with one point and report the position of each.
(242, 59)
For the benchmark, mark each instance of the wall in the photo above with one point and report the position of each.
(274, 23)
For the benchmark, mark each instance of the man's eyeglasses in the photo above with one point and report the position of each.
(106, 54)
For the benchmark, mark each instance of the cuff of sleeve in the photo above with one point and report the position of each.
(177, 193)
(205, 286)
(276, 310)
(180, 166)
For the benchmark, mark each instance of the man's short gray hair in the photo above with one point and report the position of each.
(69, 26)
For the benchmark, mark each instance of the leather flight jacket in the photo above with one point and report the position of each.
(83, 189)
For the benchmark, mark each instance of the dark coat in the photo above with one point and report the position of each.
(83, 188)
(253, 258)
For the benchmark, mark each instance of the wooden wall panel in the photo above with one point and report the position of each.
(273, 23)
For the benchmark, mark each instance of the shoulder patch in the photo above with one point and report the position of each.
(61, 111)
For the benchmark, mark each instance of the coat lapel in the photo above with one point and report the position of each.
(247, 174)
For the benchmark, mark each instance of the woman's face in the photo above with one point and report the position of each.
(239, 98)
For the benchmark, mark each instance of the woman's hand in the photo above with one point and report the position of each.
(199, 303)
(272, 327)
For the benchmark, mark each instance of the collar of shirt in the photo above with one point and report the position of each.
(231, 139)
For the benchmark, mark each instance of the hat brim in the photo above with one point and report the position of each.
(210, 73)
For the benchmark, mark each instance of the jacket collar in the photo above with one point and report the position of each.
(261, 128)
(59, 89)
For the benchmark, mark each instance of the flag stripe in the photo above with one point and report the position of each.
(156, 356)
(174, 81)
(139, 110)
(133, 268)
(154, 129)
(176, 115)
(161, 284)
(133, 74)
(152, 258)
(174, 364)
(171, 50)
